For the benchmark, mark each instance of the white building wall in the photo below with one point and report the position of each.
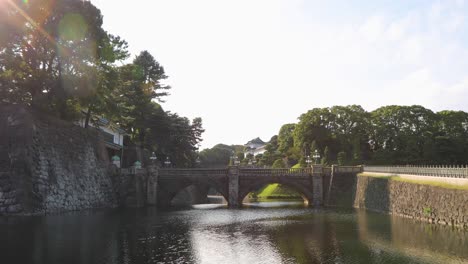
(259, 151)
(255, 152)
(118, 139)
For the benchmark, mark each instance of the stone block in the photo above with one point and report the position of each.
(16, 208)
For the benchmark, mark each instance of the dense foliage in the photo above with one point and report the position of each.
(56, 57)
(388, 135)
(220, 155)
(349, 135)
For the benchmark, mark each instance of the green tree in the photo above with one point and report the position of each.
(450, 145)
(218, 156)
(278, 164)
(313, 148)
(141, 83)
(285, 137)
(302, 162)
(341, 158)
(326, 157)
(272, 145)
(181, 143)
(315, 125)
(350, 128)
(271, 154)
(400, 133)
(388, 135)
(52, 54)
(101, 100)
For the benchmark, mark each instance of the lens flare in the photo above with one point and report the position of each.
(72, 27)
(26, 2)
(31, 21)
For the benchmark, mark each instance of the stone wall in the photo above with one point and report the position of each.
(417, 201)
(48, 165)
(342, 190)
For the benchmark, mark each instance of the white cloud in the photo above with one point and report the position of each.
(373, 29)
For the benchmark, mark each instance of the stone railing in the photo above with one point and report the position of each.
(132, 170)
(191, 172)
(246, 171)
(348, 169)
(451, 171)
(342, 169)
(277, 172)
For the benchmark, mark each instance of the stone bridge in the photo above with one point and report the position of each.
(155, 186)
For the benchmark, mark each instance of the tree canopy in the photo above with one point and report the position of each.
(388, 135)
(56, 57)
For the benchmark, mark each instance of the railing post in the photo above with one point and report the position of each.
(332, 173)
(233, 186)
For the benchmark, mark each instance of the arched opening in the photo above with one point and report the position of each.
(215, 197)
(275, 194)
(195, 195)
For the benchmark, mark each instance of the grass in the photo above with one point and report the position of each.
(423, 182)
(276, 191)
(268, 190)
(427, 211)
(297, 166)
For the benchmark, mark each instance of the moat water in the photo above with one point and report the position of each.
(258, 233)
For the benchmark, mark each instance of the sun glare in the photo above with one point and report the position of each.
(30, 20)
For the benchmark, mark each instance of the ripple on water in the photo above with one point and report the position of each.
(209, 234)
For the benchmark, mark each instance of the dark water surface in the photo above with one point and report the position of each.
(258, 233)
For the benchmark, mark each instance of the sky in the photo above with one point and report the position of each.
(246, 67)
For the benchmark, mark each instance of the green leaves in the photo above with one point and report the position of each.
(56, 57)
(57, 51)
(388, 135)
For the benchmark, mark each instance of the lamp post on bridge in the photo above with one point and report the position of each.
(167, 162)
(234, 159)
(316, 156)
(153, 159)
(198, 160)
(308, 161)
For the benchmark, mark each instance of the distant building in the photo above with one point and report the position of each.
(255, 147)
(112, 134)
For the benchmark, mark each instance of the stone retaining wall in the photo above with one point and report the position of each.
(47, 165)
(417, 201)
(342, 189)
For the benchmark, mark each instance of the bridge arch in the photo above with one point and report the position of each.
(304, 190)
(167, 191)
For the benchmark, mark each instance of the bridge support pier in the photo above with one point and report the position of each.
(140, 189)
(233, 187)
(317, 186)
(152, 186)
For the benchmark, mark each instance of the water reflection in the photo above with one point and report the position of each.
(215, 234)
(275, 204)
(436, 243)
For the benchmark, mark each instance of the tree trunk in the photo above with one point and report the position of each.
(139, 151)
(59, 93)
